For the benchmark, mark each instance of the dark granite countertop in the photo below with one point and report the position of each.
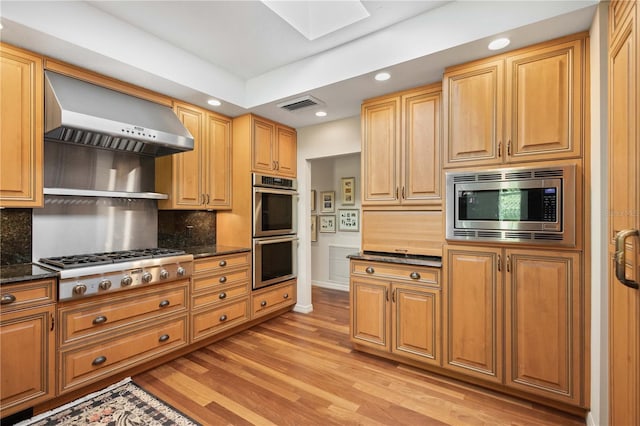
(214, 250)
(10, 274)
(432, 261)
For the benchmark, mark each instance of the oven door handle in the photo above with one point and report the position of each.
(258, 189)
(275, 240)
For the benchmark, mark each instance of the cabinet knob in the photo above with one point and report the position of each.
(163, 338)
(285, 296)
(222, 295)
(99, 320)
(263, 303)
(223, 263)
(223, 317)
(369, 270)
(7, 299)
(414, 276)
(164, 304)
(223, 279)
(99, 360)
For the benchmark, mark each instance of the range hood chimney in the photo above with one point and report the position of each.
(83, 113)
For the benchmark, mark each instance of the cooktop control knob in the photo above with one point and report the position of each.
(126, 281)
(180, 271)
(147, 277)
(105, 284)
(80, 289)
(164, 274)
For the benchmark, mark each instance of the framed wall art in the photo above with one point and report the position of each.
(328, 223)
(313, 200)
(349, 220)
(348, 186)
(328, 200)
(314, 228)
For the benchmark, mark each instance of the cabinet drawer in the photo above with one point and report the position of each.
(414, 274)
(91, 363)
(273, 299)
(88, 319)
(221, 296)
(222, 278)
(221, 263)
(212, 321)
(24, 295)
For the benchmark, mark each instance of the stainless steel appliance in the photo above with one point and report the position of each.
(86, 275)
(520, 205)
(274, 206)
(274, 260)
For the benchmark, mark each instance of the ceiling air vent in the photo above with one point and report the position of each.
(300, 103)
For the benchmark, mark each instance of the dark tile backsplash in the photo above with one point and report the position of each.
(15, 236)
(181, 229)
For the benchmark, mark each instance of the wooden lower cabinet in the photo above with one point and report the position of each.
(273, 298)
(396, 309)
(27, 345)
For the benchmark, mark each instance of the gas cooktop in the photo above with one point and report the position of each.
(94, 259)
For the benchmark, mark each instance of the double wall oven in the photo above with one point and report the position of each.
(275, 242)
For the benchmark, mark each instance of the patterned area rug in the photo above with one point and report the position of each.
(121, 404)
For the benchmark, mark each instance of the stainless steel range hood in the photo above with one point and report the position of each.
(84, 113)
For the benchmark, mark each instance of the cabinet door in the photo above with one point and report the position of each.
(544, 103)
(286, 162)
(380, 150)
(416, 323)
(370, 313)
(27, 355)
(187, 182)
(473, 312)
(263, 146)
(474, 105)
(217, 162)
(543, 323)
(21, 128)
(421, 165)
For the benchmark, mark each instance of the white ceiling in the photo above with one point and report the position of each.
(245, 55)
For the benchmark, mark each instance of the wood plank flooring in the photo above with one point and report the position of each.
(299, 369)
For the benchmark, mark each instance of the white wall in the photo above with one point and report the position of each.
(325, 176)
(331, 139)
(599, 414)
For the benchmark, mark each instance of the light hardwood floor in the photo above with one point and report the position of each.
(299, 369)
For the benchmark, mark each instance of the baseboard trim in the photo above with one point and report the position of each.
(303, 309)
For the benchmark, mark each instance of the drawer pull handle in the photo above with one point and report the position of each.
(7, 299)
(163, 338)
(263, 303)
(414, 276)
(223, 317)
(223, 279)
(223, 263)
(369, 270)
(222, 295)
(164, 303)
(99, 320)
(286, 295)
(100, 360)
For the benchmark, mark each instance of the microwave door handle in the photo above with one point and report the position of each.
(619, 257)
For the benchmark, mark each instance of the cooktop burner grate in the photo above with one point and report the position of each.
(92, 259)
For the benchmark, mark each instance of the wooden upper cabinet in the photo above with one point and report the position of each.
(523, 106)
(274, 148)
(198, 179)
(474, 109)
(21, 128)
(401, 148)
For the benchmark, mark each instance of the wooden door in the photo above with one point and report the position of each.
(21, 128)
(416, 323)
(286, 146)
(624, 208)
(545, 103)
(27, 360)
(263, 139)
(370, 313)
(421, 164)
(187, 176)
(217, 162)
(474, 108)
(543, 324)
(473, 311)
(380, 151)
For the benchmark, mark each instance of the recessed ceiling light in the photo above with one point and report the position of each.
(321, 114)
(214, 102)
(382, 76)
(499, 43)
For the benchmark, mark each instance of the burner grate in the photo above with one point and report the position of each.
(93, 259)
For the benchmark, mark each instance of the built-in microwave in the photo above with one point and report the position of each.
(519, 205)
(275, 203)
